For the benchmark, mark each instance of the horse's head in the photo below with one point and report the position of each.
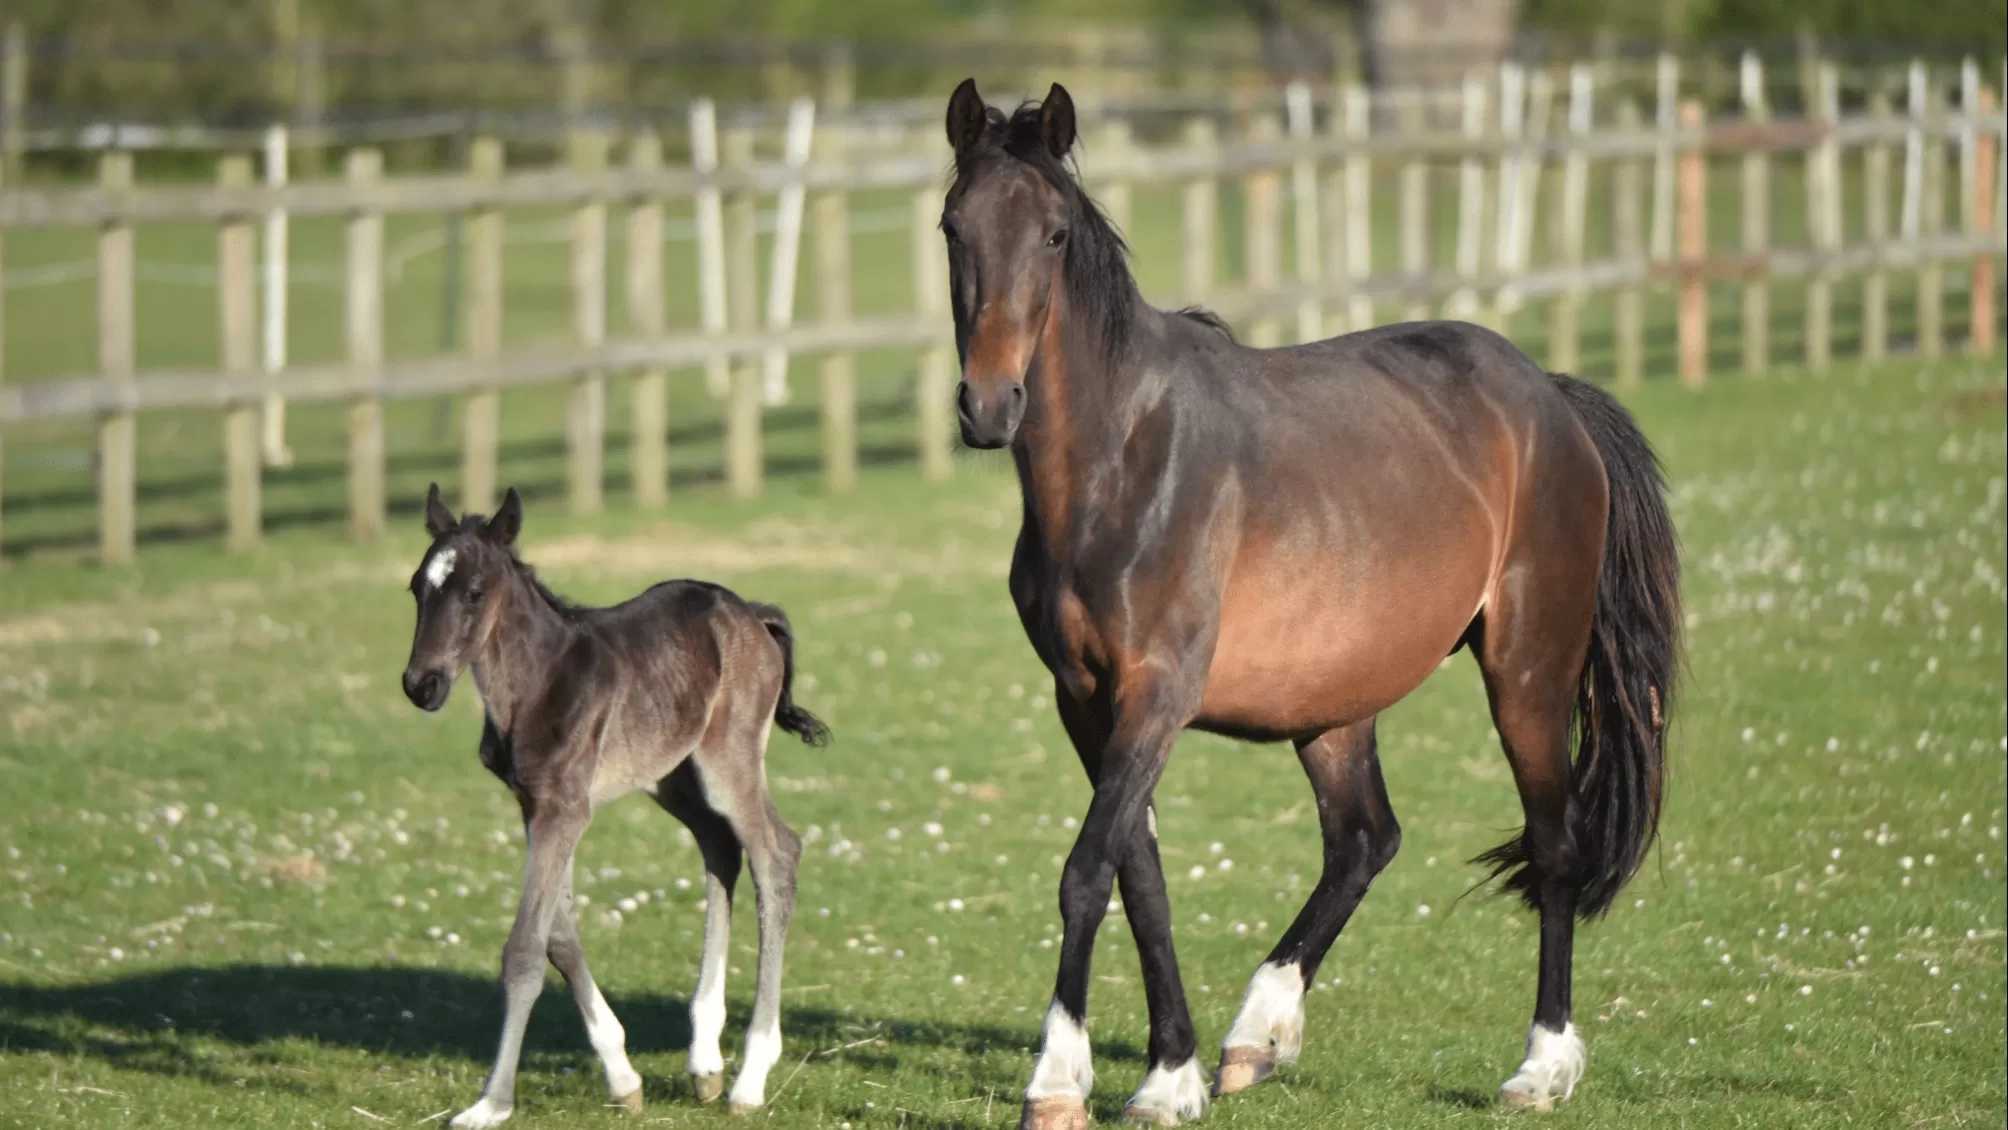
(1010, 219)
(468, 560)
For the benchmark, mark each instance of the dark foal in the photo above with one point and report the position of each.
(670, 694)
(1279, 544)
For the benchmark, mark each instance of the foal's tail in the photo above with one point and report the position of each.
(787, 715)
(1626, 694)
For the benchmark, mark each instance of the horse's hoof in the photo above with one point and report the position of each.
(709, 1087)
(1514, 1099)
(630, 1102)
(1242, 1068)
(737, 1107)
(1149, 1116)
(1059, 1112)
(481, 1116)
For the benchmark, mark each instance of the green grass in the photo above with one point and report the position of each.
(228, 839)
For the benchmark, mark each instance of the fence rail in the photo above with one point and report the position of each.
(1312, 165)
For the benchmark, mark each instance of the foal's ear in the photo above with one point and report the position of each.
(508, 520)
(1056, 121)
(438, 519)
(965, 117)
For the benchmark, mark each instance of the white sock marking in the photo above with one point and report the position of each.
(763, 1051)
(441, 566)
(481, 1116)
(610, 1040)
(1553, 1067)
(1180, 1090)
(1150, 821)
(1066, 1064)
(707, 1014)
(1271, 1013)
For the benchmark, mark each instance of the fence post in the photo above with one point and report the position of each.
(1304, 212)
(1470, 205)
(934, 397)
(1924, 209)
(1628, 315)
(237, 309)
(14, 100)
(1413, 217)
(645, 318)
(744, 464)
(711, 274)
(1508, 201)
(117, 454)
(1980, 221)
(1969, 136)
(1663, 158)
(1115, 192)
(1263, 236)
(1692, 330)
(787, 248)
(1358, 110)
(1823, 218)
(1875, 229)
(481, 430)
(1564, 341)
(363, 317)
(1519, 241)
(3, 376)
(839, 382)
(586, 407)
(1199, 214)
(1756, 223)
(272, 333)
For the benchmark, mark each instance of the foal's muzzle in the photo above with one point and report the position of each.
(992, 425)
(427, 690)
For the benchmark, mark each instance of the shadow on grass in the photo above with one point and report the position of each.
(160, 1021)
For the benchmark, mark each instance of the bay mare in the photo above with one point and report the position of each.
(1279, 544)
(669, 693)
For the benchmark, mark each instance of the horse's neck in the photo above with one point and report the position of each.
(513, 662)
(1074, 432)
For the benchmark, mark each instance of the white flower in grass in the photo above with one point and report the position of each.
(1197, 872)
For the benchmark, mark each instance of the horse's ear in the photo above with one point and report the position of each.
(1056, 121)
(966, 115)
(508, 520)
(439, 521)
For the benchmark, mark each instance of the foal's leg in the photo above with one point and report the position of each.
(1361, 837)
(1147, 719)
(553, 834)
(737, 790)
(602, 1027)
(1175, 1087)
(683, 797)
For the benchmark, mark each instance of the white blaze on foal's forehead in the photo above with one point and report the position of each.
(440, 566)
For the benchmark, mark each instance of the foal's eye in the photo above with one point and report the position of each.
(954, 237)
(1057, 239)
(473, 595)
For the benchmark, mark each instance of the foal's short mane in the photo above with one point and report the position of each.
(478, 524)
(1099, 281)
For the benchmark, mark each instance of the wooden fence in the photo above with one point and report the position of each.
(1306, 175)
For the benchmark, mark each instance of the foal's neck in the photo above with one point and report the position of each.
(512, 662)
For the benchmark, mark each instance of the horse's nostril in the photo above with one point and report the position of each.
(965, 401)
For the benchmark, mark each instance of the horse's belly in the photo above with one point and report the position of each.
(1303, 651)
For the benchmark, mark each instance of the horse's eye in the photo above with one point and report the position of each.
(1057, 239)
(473, 594)
(954, 236)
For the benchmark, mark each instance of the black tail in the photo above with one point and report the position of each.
(1626, 694)
(787, 715)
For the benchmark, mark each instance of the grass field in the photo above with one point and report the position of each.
(246, 884)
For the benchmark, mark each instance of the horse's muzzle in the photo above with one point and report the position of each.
(990, 426)
(427, 690)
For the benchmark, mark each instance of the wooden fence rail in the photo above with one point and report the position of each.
(1309, 267)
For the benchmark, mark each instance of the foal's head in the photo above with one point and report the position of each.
(1024, 242)
(468, 560)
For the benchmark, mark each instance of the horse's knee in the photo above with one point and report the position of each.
(1084, 890)
(522, 962)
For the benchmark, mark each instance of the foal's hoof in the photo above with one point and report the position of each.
(1059, 1112)
(737, 1107)
(1242, 1068)
(630, 1102)
(1512, 1098)
(1149, 1116)
(709, 1087)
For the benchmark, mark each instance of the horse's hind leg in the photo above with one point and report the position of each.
(1531, 651)
(602, 1027)
(735, 785)
(1361, 837)
(683, 797)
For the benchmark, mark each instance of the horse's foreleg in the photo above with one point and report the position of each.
(553, 834)
(1144, 726)
(1175, 1087)
(1360, 836)
(602, 1027)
